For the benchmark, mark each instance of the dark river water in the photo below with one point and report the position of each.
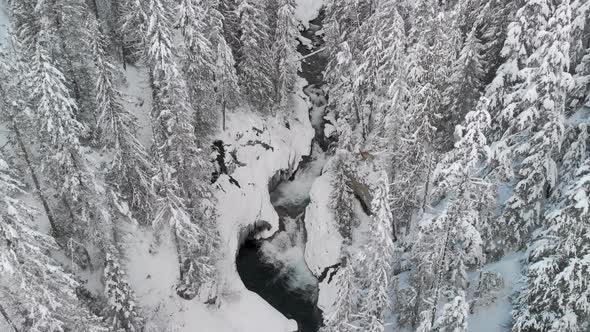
(273, 281)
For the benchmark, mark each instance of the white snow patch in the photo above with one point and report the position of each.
(329, 287)
(497, 316)
(329, 130)
(307, 10)
(4, 25)
(324, 242)
(579, 117)
(305, 42)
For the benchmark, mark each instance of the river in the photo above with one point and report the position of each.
(275, 268)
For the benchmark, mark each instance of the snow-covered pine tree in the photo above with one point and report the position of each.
(184, 199)
(401, 165)
(454, 315)
(24, 22)
(579, 94)
(344, 309)
(195, 242)
(62, 159)
(285, 56)
(133, 24)
(464, 85)
(459, 167)
(131, 167)
(574, 156)
(430, 253)
(271, 9)
(445, 247)
(75, 56)
(40, 294)
(255, 59)
(376, 262)
(121, 311)
(556, 292)
(580, 28)
(534, 116)
(199, 65)
(15, 115)
(343, 98)
(580, 56)
(226, 87)
(379, 55)
(435, 45)
(495, 16)
(231, 24)
(449, 243)
(344, 306)
(342, 196)
(348, 31)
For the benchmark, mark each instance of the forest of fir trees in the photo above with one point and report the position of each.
(474, 113)
(61, 101)
(472, 110)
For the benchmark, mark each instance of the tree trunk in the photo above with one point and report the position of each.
(36, 182)
(95, 7)
(223, 113)
(28, 161)
(118, 33)
(427, 185)
(393, 231)
(7, 318)
(416, 311)
(436, 282)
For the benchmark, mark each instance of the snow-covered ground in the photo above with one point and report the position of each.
(138, 100)
(4, 25)
(262, 148)
(328, 288)
(307, 10)
(496, 316)
(241, 207)
(323, 239)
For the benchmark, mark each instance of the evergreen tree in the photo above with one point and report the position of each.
(133, 25)
(131, 166)
(32, 283)
(62, 159)
(231, 24)
(535, 123)
(344, 303)
(464, 85)
(380, 56)
(449, 243)
(285, 56)
(184, 199)
(342, 196)
(121, 311)
(454, 315)
(555, 296)
(199, 65)
(255, 56)
(225, 84)
(376, 262)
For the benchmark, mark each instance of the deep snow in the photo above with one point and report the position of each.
(263, 148)
(307, 10)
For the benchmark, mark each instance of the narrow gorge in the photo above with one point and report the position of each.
(275, 268)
